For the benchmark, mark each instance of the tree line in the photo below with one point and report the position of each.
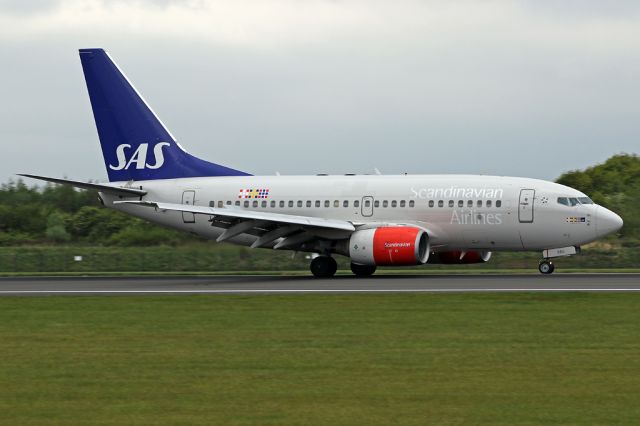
(32, 215)
(35, 215)
(614, 184)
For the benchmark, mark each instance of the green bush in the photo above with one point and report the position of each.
(143, 235)
(16, 239)
(56, 230)
(58, 234)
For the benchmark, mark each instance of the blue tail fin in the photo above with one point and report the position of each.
(135, 143)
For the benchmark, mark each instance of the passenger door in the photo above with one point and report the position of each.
(367, 206)
(525, 206)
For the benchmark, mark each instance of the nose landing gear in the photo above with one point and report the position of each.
(546, 267)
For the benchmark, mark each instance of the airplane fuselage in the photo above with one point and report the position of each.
(458, 211)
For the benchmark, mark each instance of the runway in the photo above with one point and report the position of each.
(263, 285)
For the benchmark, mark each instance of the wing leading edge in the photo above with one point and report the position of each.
(290, 230)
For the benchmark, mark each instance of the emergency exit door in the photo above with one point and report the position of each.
(525, 206)
(367, 206)
(188, 197)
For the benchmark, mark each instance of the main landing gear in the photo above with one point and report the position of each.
(546, 267)
(362, 270)
(324, 267)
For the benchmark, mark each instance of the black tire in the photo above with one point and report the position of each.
(323, 267)
(546, 267)
(363, 270)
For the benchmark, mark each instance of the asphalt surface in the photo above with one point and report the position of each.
(302, 284)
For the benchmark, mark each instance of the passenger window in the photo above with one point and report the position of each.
(264, 203)
(488, 203)
(403, 203)
(356, 203)
(336, 203)
(228, 203)
(470, 203)
(498, 203)
(246, 203)
(440, 203)
(212, 203)
(479, 203)
(460, 203)
(326, 203)
(563, 200)
(394, 204)
(450, 203)
(290, 203)
(376, 203)
(238, 203)
(345, 203)
(308, 203)
(273, 203)
(299, 203)
(281, 203)
(412, 203)
(255, 203)
(430, 203)
(220, 203)
(317, 203)
(367, 203)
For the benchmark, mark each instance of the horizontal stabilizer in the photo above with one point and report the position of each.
(115, 190)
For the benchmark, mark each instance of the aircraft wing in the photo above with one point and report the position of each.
(115, 190)
(291, 230)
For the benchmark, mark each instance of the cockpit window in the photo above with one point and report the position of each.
(574, 201)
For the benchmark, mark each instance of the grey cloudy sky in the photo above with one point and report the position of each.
(528, 88)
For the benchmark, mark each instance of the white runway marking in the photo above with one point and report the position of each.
(276, 291)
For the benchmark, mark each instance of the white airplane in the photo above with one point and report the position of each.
(372, 219)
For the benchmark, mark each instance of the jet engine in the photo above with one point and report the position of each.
(458, 257)
(389, 246)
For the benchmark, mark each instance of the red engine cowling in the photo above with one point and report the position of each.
(458, 257)
(391, 246)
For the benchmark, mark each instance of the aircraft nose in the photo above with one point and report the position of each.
(607, 221)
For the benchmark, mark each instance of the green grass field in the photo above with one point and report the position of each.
(225, 258)
(527, 358)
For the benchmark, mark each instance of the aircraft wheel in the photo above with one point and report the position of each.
(546, 267)
(363, 270)
(323, 267)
